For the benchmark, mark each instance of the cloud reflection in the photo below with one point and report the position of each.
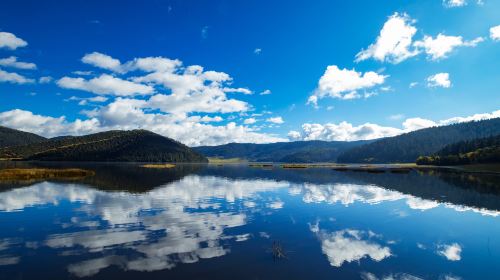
(345, 246)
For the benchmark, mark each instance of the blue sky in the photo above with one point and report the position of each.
(334, 70)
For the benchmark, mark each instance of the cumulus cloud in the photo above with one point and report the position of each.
(439, 80)
(250, 121)
(12, 62)
(45, 79)
(44, 125)
(103, 61)
(106, 84)
(239, 90)
(276, 120)
(257, 51)
(161, 95)
(394, 43)
(11, 41)
(454, 3)
(14, 78)
(345, 131)
(441, 46)
(344, 83)
(495, 33)
(85, 101)
(129, 114)
(452, 252)
(265, 92)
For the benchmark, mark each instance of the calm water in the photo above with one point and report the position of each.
(210, 222)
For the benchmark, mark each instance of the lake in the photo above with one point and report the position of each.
(229, 222)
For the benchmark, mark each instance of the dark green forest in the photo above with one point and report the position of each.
(482, 150)
(134, 145)
(408, 147)
(11, 137)
(293, 152)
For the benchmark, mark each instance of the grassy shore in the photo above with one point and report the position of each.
(163, 165)
(43, 173)
(217, 160)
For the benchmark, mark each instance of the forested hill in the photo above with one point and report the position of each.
(408, 147)
(11, 137)
(299, 151)
(482, 150)
(133, 145)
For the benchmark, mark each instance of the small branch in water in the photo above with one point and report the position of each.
(278, 251)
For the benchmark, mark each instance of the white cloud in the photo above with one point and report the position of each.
(211, 119)
(257, 51)
(344, 84)
(276, 120)
(495, 33)
(85, 101)
(451, 252)
(454, 3)
(10, 41)
(250, 121)
(12, 62)
(126, 114)
(240, 90)
(106, 84)
(412, 124)
(441, 46)
(154, 64)
(82, 73)
(103, 61)
(45, 79)
(265, 92)
(394, 44)
(345, 131)
(348, 245)
(14, 78)
(47, 126)
(413, 84)
(439, 80)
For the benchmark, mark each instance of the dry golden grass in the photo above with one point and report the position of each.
(295, 165)
(43, 173)
(163, 165)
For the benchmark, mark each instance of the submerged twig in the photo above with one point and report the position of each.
(278, 251)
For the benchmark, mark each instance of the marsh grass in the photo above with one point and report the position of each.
(26, 174)
(164, 165)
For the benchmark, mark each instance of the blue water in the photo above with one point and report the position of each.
(220, 222)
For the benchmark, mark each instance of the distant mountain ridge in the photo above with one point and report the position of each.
(133, 145)
(12, 137)
(409, 146)
(293, 152)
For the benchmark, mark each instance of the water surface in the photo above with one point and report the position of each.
(220, 222)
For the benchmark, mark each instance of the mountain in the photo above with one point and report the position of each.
(133, 145)
(482, 150)
(12, 137)
(409, 146)
(298, 151)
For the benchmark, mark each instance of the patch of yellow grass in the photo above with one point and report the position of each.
(165, 165)
(218, 160)
(295, 166)
(43, 173)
